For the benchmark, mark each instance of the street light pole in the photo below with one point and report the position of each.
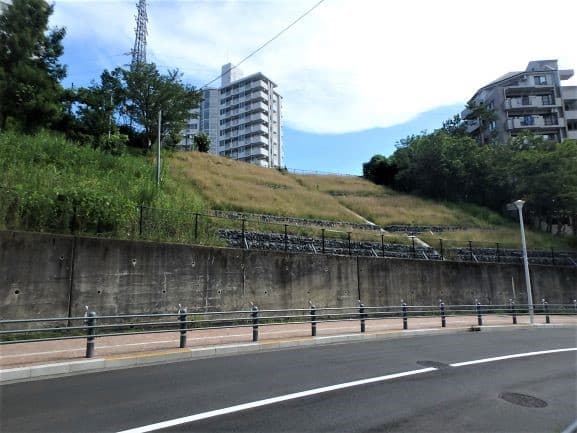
(158, 149)
(519, 205)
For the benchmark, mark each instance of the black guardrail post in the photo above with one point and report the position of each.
(441, 249)
(90, 322)
(470, 251)
(243, 234)
(552, 256)
(313, 314)
(413, 247)
(285, 237)
(546, 311)
(575, 306)
(498, 254)
(362, 315)
(195, 226)
(383, 245)
(182, 319)
(443, 316)
(479, 316)
(405, 315)
(513, 311)
(323, 239)
(254, 314)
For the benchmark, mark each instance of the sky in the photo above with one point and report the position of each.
(356, 76)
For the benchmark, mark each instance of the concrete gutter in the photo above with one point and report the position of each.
(113, 362)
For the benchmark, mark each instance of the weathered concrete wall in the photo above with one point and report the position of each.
(35, 273)
(50, 275)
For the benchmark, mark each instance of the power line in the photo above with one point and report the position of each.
(266, 43)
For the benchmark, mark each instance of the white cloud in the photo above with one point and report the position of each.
(351, 64)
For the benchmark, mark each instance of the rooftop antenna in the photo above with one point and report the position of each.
(139, 50)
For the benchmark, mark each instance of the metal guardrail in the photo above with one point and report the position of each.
(184, 321)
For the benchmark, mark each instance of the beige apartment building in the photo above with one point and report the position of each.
(531, 100)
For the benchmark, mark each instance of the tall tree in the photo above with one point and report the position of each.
(145, 92)
(30, 70)
(202, 142)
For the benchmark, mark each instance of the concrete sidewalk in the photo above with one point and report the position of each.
(24, 361)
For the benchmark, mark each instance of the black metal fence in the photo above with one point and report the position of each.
(259, 232)
(91, 326)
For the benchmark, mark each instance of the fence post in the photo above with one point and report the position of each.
(413, 247)
(498, 254)
(313, 314)
(254, 314)
(323, 239)
(471, 251)
(443, 316)
(362, 315)
(195, 226)
(140, 220)
(479, 316)
(349, 241)
(575, 305)
(182, 319)
(405, 318)
(285, 238)
(383, 245)
(441, 249)
(546, 311)
(513, 312)
(90, 332)
(552, 256)
(243, 234)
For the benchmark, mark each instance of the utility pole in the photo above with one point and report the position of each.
(519, 205)
(158, 150)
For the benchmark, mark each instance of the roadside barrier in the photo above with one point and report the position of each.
(92, 326)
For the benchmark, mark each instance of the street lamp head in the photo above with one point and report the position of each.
(519, 204)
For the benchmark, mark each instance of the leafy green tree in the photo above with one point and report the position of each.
(29, 66)
(145, 91)
(202, 142)
(380, 170)
(484, 115)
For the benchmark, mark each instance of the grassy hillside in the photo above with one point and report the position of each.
(49, 184)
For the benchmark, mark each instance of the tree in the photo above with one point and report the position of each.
(145, 91)
(29, 67)
(202, 142)
(380, 170)
(484, 115)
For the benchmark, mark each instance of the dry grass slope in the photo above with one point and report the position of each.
(230, 185)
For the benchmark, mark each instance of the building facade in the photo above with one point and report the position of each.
(242, 118)
(531, 100)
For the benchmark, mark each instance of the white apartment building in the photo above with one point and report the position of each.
(531, 100)
(242, 118)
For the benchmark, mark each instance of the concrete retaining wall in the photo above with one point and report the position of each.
(54, 276)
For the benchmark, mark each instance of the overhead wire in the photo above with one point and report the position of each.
(266, 43)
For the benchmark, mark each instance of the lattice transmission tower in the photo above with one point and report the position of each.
(139, 50)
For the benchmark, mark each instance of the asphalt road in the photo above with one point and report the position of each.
(469, 398)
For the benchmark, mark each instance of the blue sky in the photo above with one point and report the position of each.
(356, 75)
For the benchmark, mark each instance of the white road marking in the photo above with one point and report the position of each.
(269, 401)
(297, 395)
(516, 355)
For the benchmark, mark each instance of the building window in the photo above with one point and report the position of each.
(548, 100)
(527, 121)
(492, 126)
(525, 100)
(571, 104)
(550, 119)
(540, 80)
(572, 125)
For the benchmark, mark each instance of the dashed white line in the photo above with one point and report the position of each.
(316, 391)
(269, 401)
(516, 355)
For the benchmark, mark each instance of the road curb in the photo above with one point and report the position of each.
(115, 362)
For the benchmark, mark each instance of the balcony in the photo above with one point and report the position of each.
(537, 122)
(571, 115)
(530, 102)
